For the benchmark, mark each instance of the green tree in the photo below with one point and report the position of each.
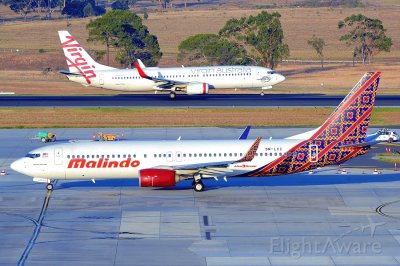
(88, 10)
(125, 32)
(120, 5)
(23, 7)
(366, 35)
(318, 45)
(261, 35)
(210, 49)
(75, 8)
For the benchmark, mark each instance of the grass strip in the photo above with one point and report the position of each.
(178, 117)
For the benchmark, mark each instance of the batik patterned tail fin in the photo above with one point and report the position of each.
(332, 142)
(348, 124)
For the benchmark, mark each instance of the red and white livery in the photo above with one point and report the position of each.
(190, 80)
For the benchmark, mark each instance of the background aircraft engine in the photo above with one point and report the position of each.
(197, 88)
(157, 178)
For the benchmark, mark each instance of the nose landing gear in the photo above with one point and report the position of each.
(172, 95)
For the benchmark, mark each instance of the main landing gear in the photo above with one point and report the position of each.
(197, 184)
(50, 186)
(172, 95)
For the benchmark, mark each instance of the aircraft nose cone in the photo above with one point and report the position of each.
(17, 165)
(281, 78)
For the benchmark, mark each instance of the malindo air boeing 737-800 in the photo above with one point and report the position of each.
(190, 80)
(163, 163)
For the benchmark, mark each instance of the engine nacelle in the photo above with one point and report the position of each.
(197, 88)
(157, 178)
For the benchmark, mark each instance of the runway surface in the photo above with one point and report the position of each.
(162, 100)
(320, 219)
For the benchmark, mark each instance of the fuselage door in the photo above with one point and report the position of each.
(58, 156)
(313, 153)
(101, 79)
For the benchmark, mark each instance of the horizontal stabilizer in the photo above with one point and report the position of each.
(357, 145)
(68, 73)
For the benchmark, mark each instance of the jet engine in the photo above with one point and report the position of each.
(197, 88)
(157, 178)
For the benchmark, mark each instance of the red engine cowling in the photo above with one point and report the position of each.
(197, 88)
(157, 178)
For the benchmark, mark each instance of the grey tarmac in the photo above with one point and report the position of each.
(325, 218)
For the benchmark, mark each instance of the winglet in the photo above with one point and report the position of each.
(251, 152)
(245, 133)
(141, 63)
(141, 72)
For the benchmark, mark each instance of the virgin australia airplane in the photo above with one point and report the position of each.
(190, 80)
(163, 163)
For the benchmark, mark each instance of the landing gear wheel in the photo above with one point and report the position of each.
(198, 186)
(390, 140)
(262, 93)
(49, 186)
(172, 95)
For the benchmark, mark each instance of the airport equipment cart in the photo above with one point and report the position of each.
(45, 136)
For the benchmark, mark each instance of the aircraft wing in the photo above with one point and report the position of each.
(214, 168)
(161, 83)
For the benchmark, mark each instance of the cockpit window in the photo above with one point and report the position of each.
(33, 155)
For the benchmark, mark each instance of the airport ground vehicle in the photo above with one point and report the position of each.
(383, 135)
(45, 136)
(106, 136)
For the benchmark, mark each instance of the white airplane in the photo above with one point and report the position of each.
(190, 80)
(163, 163)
